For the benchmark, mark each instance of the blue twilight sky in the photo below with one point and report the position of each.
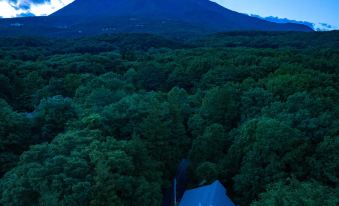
(315, 11)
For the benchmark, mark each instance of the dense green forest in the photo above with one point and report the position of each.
(104, 121)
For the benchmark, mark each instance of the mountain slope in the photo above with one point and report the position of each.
(180, 18)
(203, 12)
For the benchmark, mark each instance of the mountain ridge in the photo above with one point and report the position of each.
(89, 17)
(191, 11)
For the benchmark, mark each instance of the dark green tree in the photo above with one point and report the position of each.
(295, 193)
(52, 115)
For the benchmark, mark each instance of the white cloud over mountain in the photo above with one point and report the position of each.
(16, 8)
(315, 26)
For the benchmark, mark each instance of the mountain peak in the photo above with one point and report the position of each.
(130, 7)
(199, 12)
(169, 17)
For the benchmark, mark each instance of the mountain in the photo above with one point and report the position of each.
(202, 12)
(86, 17)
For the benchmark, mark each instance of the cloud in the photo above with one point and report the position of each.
(48, 7)
(324, 27)
(25, 4)
(25, 14)
(20, 8)
(276, 19)
(7, 10)
(315, 26)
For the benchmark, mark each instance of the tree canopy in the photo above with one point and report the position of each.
(106, 120)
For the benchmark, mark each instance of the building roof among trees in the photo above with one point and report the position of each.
(209, 195)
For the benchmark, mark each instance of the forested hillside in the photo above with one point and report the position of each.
(104, 121)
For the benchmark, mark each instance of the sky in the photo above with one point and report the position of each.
(13, 8)
(315, 11)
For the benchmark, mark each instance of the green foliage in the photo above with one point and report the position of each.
(210, 146)
(122, 174)
(297, 193)
(15, 136)
(105, 120)
(267, 151)
(325, 161)
(83, 168)
(219, 106)
(207, 171)
(52, 115)
(253, 100)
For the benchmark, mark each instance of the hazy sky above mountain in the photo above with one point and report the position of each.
(317, 11)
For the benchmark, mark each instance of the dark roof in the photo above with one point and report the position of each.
(210, 195)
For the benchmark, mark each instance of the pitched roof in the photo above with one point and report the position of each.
(210, 195)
